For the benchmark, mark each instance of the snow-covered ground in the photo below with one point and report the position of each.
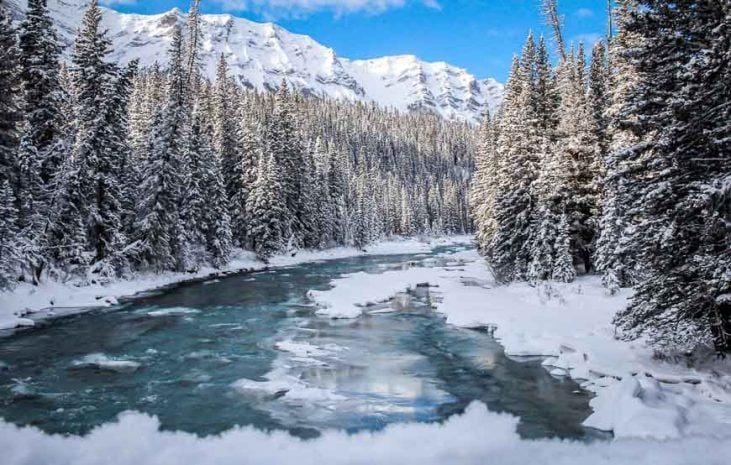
(570, 326)
(27, 303)
(477, 437)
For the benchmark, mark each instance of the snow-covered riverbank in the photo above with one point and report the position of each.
(27, 303)
(569, 325)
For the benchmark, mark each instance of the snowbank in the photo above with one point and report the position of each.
(477, 437)
(570, 325)
(27, 303)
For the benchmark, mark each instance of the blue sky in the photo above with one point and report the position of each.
(479, 35)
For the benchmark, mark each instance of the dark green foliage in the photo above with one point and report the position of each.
(680, 181)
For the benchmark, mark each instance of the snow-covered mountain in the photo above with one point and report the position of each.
(261, 55)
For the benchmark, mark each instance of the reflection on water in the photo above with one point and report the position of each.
(249, 350)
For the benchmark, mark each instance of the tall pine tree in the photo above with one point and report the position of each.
(683, 102)
(10, 114)
(159, 236)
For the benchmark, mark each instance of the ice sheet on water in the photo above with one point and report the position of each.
(306, 349)
(280, 382)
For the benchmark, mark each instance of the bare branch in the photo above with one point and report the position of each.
(550, 11)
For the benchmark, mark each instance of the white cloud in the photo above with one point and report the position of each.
(584, 13)
(299, 7)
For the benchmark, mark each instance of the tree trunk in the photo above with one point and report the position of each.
(721, 328)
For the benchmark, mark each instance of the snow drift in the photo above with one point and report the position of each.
(477, 437)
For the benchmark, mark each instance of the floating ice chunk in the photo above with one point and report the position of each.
(277, 383)
(22, 390)
(208, 355)
(108, 300)
(102, 362)
(302, 348)
(175, 311)
(382, 311)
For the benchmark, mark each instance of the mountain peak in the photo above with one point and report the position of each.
(261, 55)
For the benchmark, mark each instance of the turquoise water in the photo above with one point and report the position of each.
(249, 350)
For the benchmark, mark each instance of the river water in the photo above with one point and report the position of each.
(249, 350)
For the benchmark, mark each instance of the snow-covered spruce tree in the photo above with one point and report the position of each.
(248, 146)
(146, 99)
(436, 204)
(563, 264)
(10, 114)
(224, 141)
(453, 219)
(194, 43)
(337, 194)
(9, 253)
(205, 231)
(312, 227)
(283, 141)
(549, 188)
(9, 119)
(66, 235)
(85, 227)
(100, 146)
(546, 98)
(509, 249)
(598, 98)
(267, 209)
(192, 204)
(372, 199)
(325, 215)
(118, 127)
(484, 184)
(682, 104)
(361, 231)
(576, 144)
(219, 238)
(42, 144)
(616, 257)
(207, 198)
(157, 231)
(551, 181)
